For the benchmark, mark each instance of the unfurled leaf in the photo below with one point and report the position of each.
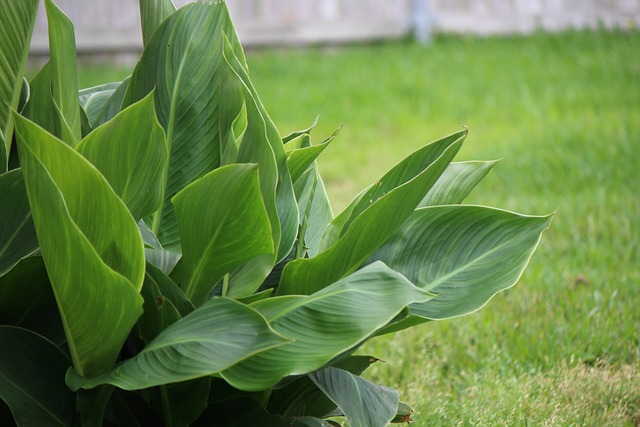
(223, 224)
(371, 218)
(90, 244)
(325, 324)
(464, 255)
(364, 403)
(131, 153)
(212, 338)
(17, 234)
(32, 370)
(16, 23)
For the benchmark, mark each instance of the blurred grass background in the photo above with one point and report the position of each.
(563, 112)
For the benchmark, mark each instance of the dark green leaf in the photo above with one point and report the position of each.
(17, 234)
(364, 403)
(32, 379)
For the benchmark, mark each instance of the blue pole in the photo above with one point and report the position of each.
(421, 21)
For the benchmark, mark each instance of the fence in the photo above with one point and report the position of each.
(113, 25)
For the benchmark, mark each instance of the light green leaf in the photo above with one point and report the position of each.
(17, 235)
(317, 214)
(296, 134)
(64, 71)
(223, 224)
(364, 403)
(462, 254)
(371, 218)
(298, 160)
(238, 128)
(456, 182)
(16, 26)
(32, 379)
(152, 13)
(183, 63)
(162, 259)
(214, 337)
(131, 153)
(91, 246)
(325, 324)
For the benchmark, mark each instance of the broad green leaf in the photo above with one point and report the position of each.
(152, 13)
(183, 63)
(364, 403)
(223, 224)
(372, 218)
(17, 235)
(212, 338)
(325, 324)
(462, 254)
(162, 259)
(456, 182)
(90, 244)
(131, 153)
(16, 26)
(32, 373)
(64, 71)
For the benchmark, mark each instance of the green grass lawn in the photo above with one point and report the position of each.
(563, 112)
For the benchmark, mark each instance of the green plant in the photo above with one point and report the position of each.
(170, 258)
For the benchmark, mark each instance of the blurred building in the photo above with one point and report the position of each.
(113, 25)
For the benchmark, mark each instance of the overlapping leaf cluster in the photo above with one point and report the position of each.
(167, 258)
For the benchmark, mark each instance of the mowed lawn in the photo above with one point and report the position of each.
(563, 113)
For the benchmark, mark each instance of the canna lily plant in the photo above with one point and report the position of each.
(168, 258)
